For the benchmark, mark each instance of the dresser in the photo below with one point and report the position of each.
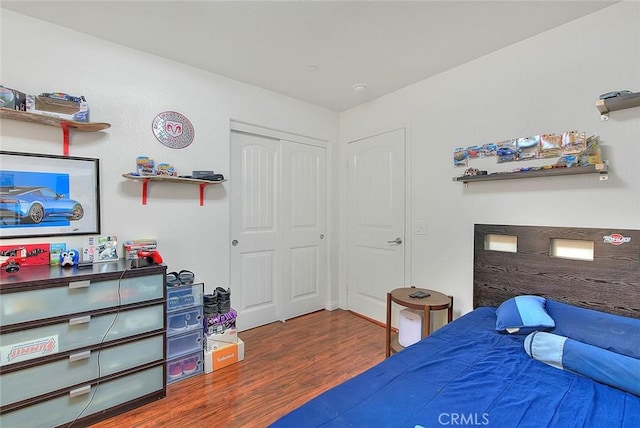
(80, 345)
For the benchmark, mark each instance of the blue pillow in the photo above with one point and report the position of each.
(607, 331)
(619, 371)
(522, 315)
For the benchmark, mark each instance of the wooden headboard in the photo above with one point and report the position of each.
(609, 283)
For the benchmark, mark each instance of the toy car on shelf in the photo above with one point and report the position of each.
(11, 263)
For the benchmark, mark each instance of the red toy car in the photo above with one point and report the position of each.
(12, 263)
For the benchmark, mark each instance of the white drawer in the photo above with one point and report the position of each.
(84, 401)
(78, 296)
(78, 368)
(77, 333)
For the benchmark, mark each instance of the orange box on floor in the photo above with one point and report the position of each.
(224, 356)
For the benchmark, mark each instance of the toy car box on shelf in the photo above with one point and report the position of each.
(60, 105)
(132, 247)
(12, 99)
(55, 249)
(30, 254)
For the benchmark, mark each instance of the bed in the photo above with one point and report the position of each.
(468, 374)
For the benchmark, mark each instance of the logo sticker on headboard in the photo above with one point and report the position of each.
(616, 239)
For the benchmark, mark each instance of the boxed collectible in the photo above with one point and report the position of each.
(132, 247)
(54, 253)
(59, 105)
(31, 254)
(12, 99)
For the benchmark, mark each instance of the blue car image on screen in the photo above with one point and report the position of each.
(35, 204)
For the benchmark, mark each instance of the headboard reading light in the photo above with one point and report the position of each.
(504, 243)
(571, 249)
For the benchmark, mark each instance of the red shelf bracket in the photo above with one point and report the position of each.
(144, 191)
(202, 186)
(65, 138)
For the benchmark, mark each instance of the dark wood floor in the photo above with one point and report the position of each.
(285, 365)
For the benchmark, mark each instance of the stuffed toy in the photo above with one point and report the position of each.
(69, 258)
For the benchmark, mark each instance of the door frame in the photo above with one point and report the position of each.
(408, 202)
(265, 132)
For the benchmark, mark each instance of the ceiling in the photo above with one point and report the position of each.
(315, 51)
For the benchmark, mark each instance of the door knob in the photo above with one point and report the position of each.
(234, 242)
(395, 241)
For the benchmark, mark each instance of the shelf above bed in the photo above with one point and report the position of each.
(617, 103)
(600, 169)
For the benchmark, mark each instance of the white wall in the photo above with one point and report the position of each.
(548, 83)
(128, 89)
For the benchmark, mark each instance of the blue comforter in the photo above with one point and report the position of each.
(467, 374)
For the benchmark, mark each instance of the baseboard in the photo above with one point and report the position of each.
(332, 306)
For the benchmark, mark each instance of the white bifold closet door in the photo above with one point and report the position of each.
(278, 224)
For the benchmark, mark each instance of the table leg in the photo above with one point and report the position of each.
(388, 329)
(427, 321)
(450, 311)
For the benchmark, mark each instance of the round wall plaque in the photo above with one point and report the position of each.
(173, 129)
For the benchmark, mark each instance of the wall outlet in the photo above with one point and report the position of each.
(421, 227)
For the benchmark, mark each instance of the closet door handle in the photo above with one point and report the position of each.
(395, 241)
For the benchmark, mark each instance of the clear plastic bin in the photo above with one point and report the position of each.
(184, 321)
(184, 297)
(185, 366)
(184, 343)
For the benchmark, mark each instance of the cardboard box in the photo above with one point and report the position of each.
(32, 254)
(220, 322)
(88, 250)
(132, 247)
(68, 110)
(223, 357)
(218, 340)
(54, 253)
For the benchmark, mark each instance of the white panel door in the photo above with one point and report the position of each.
(376, 212)
(304, 258)
(255, 255)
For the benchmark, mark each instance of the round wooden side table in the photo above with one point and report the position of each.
(436, 301)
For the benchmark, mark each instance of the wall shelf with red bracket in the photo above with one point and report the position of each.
(65, 125)
(145, 179)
